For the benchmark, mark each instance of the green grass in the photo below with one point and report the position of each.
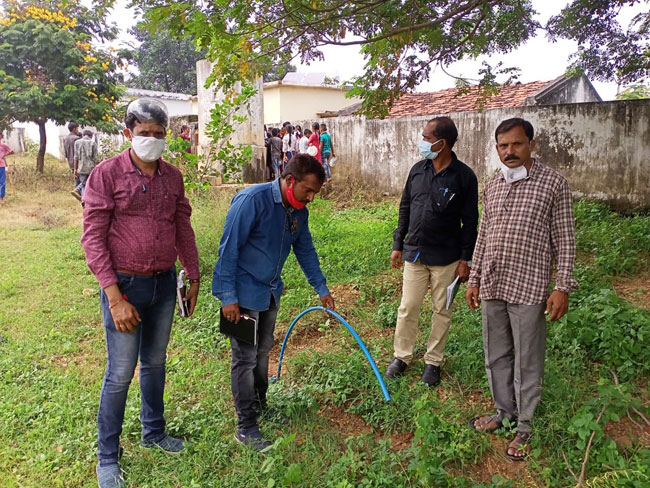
(339, 431)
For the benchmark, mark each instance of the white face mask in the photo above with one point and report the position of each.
(514, 174)
(148, 149)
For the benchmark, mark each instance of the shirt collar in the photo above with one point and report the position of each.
(275, 189)
(452, 166)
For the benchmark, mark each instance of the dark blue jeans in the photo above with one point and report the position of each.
(249, 371)
(155, 299)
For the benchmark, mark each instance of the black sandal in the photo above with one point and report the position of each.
(521, 440)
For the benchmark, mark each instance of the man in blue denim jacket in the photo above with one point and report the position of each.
(264, 222)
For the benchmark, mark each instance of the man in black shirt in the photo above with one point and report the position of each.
(435, 237)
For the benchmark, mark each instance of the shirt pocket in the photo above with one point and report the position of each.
(131, 197)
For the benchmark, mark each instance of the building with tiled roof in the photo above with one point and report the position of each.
(574, 89)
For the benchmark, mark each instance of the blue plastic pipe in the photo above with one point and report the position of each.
(354, 334)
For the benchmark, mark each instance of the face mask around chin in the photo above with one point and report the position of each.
(148, 149)
(514, 174)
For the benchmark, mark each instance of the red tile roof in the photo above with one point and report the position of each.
(445, 101)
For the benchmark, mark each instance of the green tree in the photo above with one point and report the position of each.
(634, 92)
(277, 72)
(49, 68)
(402, 40)
(166, 63)
(606, 50)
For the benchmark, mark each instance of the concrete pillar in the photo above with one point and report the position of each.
(249, 132)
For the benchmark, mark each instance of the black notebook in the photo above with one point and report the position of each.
(245, 330)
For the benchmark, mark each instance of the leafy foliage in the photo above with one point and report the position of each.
(165, 63)
(401, 41)
(634, 92)
(49, 68)
(229, 157)
(607, 51)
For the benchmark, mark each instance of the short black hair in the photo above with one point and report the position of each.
(323, 127)
(306, 131)
(445, 129)
(88, 133)
(184, 126)
(72, 126)
(510, 124)
(275, 131)
(302, 165)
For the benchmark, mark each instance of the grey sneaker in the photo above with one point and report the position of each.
(169, 444)
(110, 476)
(252, 438)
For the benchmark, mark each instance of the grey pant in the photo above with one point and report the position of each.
(514, 339)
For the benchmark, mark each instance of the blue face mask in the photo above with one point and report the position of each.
(425, 149)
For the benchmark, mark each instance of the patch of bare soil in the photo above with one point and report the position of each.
(627, 434)
(347, 423)
(494, 462)
(635, 289)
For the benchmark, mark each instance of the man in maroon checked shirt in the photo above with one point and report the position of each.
(136, 223)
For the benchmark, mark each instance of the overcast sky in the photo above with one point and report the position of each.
(538, 59)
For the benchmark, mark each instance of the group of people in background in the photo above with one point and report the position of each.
(283, 144)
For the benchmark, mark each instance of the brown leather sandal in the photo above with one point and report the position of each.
(520, 444)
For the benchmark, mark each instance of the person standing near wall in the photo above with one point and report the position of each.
(68, 147)
(435, 237)
(5, 150)
(136, 224)
(275, 143)
(527, 225)
(327, 150)
(303, 144)
(314, 141)
(185, 135)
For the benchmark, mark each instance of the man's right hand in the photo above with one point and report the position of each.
(396, 259)
(231, 312)
(125, 316)
(472, 298)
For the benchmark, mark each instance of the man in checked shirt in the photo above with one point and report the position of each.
(136, 223)
(527, 226)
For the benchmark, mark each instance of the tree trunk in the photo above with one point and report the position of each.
(40, 159)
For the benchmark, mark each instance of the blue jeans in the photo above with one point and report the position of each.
(325, 157)
(276, 161)
(249, 371)
(155, 299)
(81, 187)
(3, 181)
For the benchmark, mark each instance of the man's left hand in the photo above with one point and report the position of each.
(462, 271)
(191, 297)
(327, 301)
(557, 304)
